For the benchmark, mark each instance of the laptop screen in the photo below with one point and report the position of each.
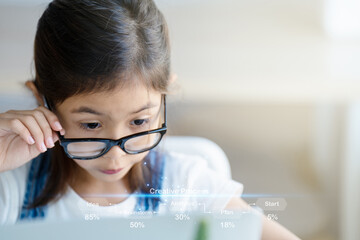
(225, 225)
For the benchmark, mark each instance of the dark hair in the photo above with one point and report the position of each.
(85, 46)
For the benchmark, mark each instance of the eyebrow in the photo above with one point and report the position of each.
(147, 106)
(84, 109)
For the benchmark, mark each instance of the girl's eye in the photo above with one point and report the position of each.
(139, 122)
(90, 125)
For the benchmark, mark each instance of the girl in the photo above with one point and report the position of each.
(102, 73)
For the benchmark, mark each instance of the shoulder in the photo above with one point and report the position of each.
(183, 168)
(16, 177)
(191, 175)
(175, 161)
(12, 190)
(14, 184)
(193, 170)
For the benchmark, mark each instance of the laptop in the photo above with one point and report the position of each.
(227, 225)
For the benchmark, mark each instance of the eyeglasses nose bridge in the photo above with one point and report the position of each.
(116, 143)
(120, 143)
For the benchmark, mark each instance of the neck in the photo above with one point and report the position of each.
(100, 192)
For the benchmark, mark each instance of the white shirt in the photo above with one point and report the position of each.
(188, 185)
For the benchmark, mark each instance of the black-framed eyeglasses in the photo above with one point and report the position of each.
(91, 148)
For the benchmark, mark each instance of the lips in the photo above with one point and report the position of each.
(111, 171)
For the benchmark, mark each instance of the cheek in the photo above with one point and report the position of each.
(158, 122)
(92, 163)
(138, 158)
(84, 164)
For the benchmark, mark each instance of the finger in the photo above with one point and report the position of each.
(50, 116)
(35, 130)
(45, 127)
(55, 137)
(19, 128)
(52, 119)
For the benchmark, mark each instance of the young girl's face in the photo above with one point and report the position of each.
(124, 111)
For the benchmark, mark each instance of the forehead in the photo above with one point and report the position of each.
(124, 99)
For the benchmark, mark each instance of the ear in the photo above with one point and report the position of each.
(30, 85)
(173, 78)
(173, 86)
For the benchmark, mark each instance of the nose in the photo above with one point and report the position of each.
(115, 153)
(116, 132)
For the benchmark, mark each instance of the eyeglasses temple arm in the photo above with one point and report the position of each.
(46, 104)
(165, 116)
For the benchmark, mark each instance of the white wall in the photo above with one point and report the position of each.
(23, 2)
(238, 51)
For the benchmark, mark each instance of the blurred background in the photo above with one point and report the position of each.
(275, 83)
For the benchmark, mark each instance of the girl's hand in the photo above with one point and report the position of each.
(26, 134)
